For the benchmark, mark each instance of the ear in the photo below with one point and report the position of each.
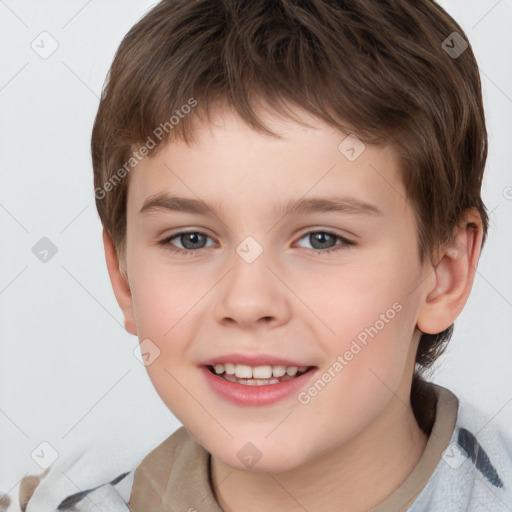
(120, 284)
(454, 274)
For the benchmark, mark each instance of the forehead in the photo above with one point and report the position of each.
(229, 163)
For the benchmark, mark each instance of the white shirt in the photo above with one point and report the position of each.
(466, 467)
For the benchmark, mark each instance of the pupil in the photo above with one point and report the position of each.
(319, 237)
(193, 237)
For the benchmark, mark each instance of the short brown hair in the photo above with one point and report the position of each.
(379, 69)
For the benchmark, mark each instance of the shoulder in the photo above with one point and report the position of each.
(99, 477)
(36, 492)
(475, 470)
(177, 467)
(77, 483)
(175, 475)
(24, 489)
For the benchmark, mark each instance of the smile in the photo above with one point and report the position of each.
(244, 386)
(258, 375)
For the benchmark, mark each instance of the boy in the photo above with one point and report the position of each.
(233, 140)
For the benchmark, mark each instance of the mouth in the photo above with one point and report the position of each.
(259, 375)
(256, 386)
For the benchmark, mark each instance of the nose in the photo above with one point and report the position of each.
(251, 295)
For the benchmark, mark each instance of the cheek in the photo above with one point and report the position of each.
(162, 292)
(363, 312)
(348, 298)
(165, 314)
(163, 303)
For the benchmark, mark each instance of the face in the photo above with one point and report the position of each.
(334, 290)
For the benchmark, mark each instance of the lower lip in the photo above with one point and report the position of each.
(243, 394)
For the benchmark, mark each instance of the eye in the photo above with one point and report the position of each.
(190, 240)
(320, 239)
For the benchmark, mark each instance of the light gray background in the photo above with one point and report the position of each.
(68, 373)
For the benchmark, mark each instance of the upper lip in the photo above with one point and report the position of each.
(253, 360)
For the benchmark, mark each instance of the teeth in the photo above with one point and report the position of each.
(262, 372)
(291, 371)
(229, 369)
(278, 371)
(251, 382)
(243, 371)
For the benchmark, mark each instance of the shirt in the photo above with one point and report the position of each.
(466, 467)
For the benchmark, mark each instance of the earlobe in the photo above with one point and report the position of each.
(120, 284)
(454, 276)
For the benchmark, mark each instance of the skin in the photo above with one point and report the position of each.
(359, 432)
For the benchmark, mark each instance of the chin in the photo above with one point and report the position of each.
(258, 460)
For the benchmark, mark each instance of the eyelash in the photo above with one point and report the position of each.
(166, 242)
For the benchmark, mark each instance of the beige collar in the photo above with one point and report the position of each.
(439, 439)
(175, 476)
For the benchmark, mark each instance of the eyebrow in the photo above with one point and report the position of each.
(343, 204)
